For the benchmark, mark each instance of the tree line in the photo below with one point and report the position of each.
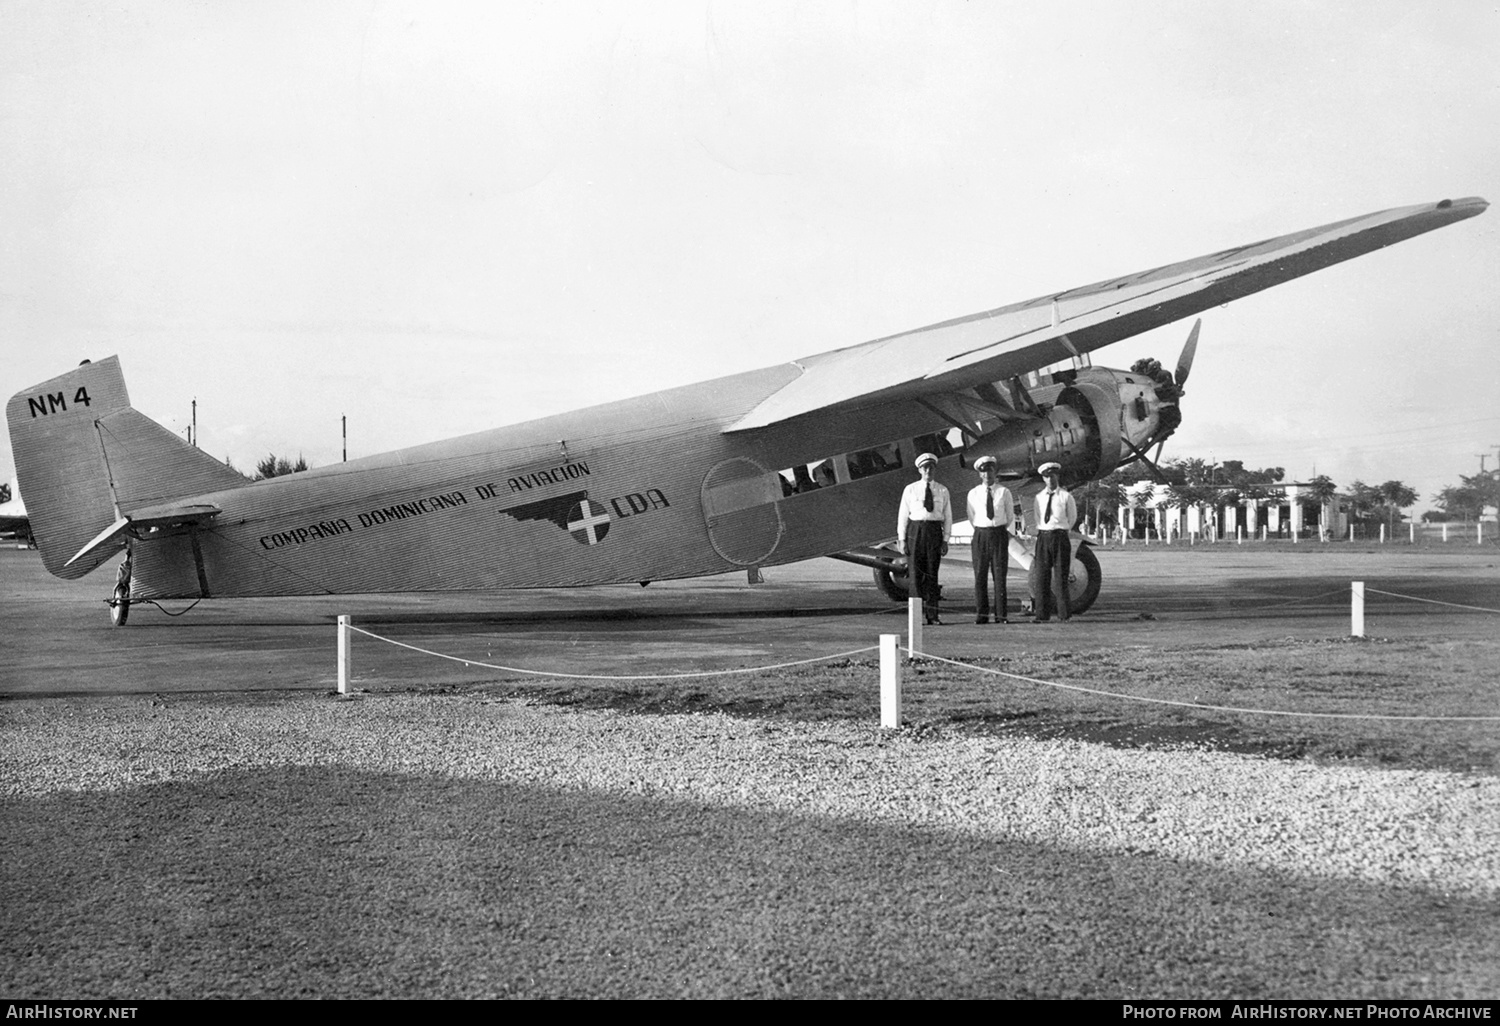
(1466, 501)
(271, 466)
(1191, 481)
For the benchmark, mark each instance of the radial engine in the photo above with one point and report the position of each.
(1090, 420)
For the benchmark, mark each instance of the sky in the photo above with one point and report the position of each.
(437, 218)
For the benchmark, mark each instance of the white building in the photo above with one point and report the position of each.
(1288, 511)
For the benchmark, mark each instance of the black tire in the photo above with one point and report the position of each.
(119, 605)
(1083, 588)
(895, 584)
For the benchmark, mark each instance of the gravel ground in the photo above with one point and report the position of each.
(458, 845)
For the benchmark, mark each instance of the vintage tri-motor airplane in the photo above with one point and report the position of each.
(14, 522)
(766, 467)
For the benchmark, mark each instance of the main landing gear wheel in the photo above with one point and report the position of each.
(1084, 579)
(895, 584)
(119, 605)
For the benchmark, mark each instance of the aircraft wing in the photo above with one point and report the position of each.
(1013, 340)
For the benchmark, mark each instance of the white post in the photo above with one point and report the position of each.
(1479, 532)
(913, 628)
(1357, 610)
(890, 682)
(346, 661)
(1351, 530)
(1382, 534)
(1445, 532)
(1411, 532)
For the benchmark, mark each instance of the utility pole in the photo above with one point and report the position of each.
(1482, 457)
(194, 439)
(344, 426)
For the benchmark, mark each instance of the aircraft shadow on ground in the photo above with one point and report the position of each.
(334, 882)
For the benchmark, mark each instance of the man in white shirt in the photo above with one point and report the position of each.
(923, 526)
(990, 514)
(1056, 513)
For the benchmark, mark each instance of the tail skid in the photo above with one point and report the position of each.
(93, 469)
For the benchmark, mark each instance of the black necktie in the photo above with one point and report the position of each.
(989, 503)
(927, 499)
(1048, 517)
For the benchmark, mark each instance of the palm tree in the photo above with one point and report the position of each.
(1396, 497)
(1323, 490)
(1364, 500)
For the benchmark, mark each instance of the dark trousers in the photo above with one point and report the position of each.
(1054, 555)
(924, 554)
(990, 551)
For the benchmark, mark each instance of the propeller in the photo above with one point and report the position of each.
(1185, 360)
(1168, 392)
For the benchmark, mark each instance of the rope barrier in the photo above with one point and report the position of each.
(1211, 708)
(1199, 706)
(1293, 602)
(1435, 602)
(601, 676)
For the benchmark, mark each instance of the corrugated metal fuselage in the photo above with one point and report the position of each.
(644, 489)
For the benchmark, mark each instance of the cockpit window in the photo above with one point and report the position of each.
(941, 443)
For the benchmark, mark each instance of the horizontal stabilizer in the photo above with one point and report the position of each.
(105, 539)
(135, 524)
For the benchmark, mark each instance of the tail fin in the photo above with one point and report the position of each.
(84, 458)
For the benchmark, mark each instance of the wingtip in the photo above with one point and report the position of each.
(1468, 206)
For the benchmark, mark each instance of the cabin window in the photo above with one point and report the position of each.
(807, 477)
(877, 460)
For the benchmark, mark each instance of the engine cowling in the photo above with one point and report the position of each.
(1085, 427)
